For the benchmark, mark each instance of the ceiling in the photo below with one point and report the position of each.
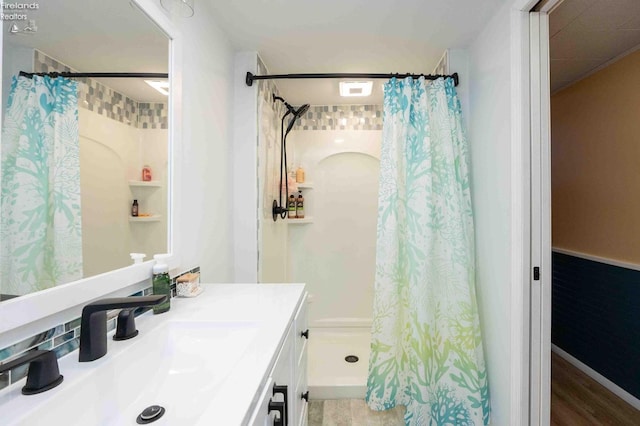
(332, 36)
(324, 37)
(585, 34)
(99, 36)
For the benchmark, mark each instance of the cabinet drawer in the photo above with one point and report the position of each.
(302, 329)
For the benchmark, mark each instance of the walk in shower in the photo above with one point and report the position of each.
(332, 249)
(334, 254)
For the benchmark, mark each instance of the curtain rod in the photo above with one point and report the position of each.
(250, 78)
(96, 74)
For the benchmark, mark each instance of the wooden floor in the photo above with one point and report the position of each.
(578, 400)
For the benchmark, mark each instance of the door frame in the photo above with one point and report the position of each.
(540, 348)
(531, 213)
(540, 218)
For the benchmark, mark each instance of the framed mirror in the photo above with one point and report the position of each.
(39, 309)
(71, 170)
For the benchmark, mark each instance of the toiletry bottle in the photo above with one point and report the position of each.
(300, 206)
(146, 174)
(134, 208)
(300, 175)
(161, 282)
(292, 207)
(137, 257)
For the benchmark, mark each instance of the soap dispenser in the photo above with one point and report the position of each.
(161, 282)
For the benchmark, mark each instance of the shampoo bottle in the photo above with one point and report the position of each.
(292, 207)
(134, 208)
(300, 206)
(161, 282)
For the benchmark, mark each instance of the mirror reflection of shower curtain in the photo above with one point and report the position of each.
(426, 346)
(40, 216)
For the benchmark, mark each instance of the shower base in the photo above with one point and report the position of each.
(330, 376)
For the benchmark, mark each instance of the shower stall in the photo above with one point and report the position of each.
(333, 249)
(334, 254)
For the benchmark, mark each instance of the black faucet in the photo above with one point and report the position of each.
(44, 373)
(93, 325)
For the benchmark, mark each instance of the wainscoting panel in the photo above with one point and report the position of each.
(596, 317)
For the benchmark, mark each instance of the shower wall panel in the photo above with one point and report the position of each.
(335, 253)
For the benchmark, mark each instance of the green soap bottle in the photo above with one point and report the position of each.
(161, 282)
(292, 207)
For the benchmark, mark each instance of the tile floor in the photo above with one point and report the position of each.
(351, 412)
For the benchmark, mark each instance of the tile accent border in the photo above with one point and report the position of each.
(103, 100)
(341, 117)
(64, 338)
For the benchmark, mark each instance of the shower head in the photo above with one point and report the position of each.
(304, 108)
(297, 113)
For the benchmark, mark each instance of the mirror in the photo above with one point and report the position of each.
(81, 225)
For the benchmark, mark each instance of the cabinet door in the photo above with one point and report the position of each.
(282, 375)
(302, 334)
(301, 393)
(301, 337)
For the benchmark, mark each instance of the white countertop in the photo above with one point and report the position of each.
(266, 309)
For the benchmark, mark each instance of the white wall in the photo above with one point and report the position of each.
(206, 211)
(335, 255)
(490, 140)
(245, 170)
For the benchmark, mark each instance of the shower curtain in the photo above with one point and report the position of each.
(40, 223)
(426, 349)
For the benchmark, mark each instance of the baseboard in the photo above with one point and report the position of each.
(342, 322)
(617, 390)
(336, 392)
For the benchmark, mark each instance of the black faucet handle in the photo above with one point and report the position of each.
(43, 374)
(126, 325)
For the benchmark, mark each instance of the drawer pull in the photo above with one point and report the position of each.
(305, 334)
(284, 390)
(279, 407)
(305, 396)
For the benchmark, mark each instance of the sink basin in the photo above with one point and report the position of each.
(180, 365)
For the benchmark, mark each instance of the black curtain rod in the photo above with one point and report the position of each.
(251, 78)
(96, 74)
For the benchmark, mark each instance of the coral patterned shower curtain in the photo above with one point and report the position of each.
(426, 350)
(40, 223)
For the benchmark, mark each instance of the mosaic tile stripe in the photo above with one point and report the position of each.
(64, 338)
(105, 101)
(152, 115)
(341, 117)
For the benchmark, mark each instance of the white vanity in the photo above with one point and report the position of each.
(222, 358)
